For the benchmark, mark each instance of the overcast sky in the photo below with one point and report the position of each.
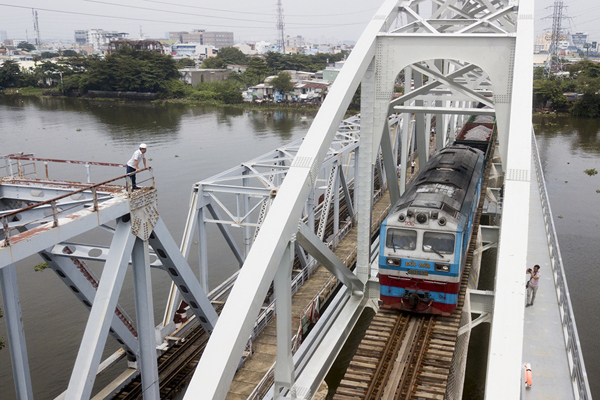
(250, 20)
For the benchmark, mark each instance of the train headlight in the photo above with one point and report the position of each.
(393, 261)
(401, 217)
(442, 221)
(421, 218)
(442, 267)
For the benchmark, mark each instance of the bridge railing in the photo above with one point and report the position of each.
(579, 379)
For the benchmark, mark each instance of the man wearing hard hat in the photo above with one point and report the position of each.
(134, 163)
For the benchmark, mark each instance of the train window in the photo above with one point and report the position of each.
(401, 239)
(438, 242)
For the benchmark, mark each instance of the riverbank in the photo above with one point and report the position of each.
(307, 108)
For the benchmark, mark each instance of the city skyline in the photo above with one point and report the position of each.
(317, 22)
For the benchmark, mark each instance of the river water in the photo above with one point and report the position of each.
(186, 144)
(189, 143)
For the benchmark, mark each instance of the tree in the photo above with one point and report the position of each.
(130, 70)
(232, 55)
(283, 82)
(539, 73)
(256, 72)
(185, 62)
(26, 46)
(69, 53)
(10, 73)
(226, 55)
(213, 63)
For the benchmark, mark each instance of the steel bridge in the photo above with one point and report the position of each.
(457, 59)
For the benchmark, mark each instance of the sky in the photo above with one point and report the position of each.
(318, 21)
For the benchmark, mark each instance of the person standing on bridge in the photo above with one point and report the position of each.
(135, 162)
(532, 285)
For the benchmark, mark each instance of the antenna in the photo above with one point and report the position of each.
(36, 28)
(280, 25)
(557, 18)
(141, 33)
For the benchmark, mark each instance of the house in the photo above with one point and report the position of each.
(310, 91)
(248, 49)
(262, 91)
(331, 71)
(195, 76)
(237, 68)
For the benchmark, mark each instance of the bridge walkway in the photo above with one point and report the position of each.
(543, 340)
(265, 346)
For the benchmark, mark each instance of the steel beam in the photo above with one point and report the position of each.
(284, 367)
(319, 250)
(144, 310)
(96, 331)
(226, 234)
(16, 333)
(389, 163)
(83, 283)
(445, 110)
(219, 362)
(180, 272)
(42, 237)
(506, 345)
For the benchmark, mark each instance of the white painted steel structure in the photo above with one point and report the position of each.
(456, 57)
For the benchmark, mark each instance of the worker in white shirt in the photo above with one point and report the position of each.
(135, 162)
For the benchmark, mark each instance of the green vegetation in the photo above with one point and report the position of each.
(130, 70)
(591, 171)
(41, 266)
(25, 46)
(283, 82)
(259, 69)
(186, 62)
(583, 79)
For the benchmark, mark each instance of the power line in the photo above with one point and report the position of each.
(124, 18)
(169, 22)
(257, 13)
(197, 15)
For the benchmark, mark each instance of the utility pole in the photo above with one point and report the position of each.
(280, 25)
(36, 28)
(557, 18)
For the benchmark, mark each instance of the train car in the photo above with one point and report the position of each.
(425, 238)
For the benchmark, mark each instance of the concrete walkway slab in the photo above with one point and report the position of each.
(543, 340)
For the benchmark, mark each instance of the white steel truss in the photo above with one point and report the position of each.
(457, 59)
(37, 214)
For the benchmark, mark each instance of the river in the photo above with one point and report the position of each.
(189, 143)
(186, 144)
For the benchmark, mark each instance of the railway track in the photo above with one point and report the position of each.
(408, 356)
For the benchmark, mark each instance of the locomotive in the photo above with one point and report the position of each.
(425, 238)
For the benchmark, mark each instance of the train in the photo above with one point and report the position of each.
(425, 238)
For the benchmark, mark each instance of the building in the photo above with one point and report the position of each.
(3, 36)
(99, 38)
(331, 71)
(544, 41)
(195, 51)
(195, 76)
(217, 39)
(248, 49)
(294, 44)
(579, 39)
(81, 37)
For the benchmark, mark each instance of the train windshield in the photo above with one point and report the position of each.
(438, 242)
(401, 239)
